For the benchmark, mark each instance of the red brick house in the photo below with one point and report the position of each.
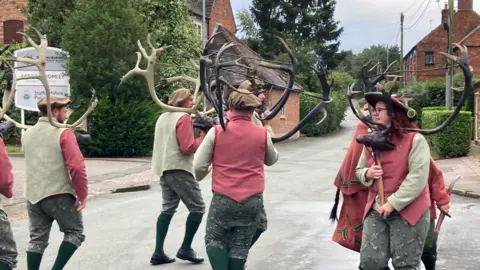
(217, 12)
(269, 79)
(426, 54)
(11, 20)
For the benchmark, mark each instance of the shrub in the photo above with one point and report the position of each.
(454, 140)
(335, 113)
(122, 128)
(432, 94)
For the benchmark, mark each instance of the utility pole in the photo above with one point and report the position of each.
(449, 77)
(402, 84)
(388, 61)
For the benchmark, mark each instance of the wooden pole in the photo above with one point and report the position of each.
(381, 193)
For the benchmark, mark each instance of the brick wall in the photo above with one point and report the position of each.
(10, 10)
(222, 13)
(281, 124)
(464, 22)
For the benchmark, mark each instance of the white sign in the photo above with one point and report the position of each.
(29, 92)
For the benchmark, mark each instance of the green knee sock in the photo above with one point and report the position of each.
(236, 264)
(429, 262)
(65, 252)
(34, 260)
(4, 266)
(163, 222)
(256, 236)
(191, 227)
(218, 258)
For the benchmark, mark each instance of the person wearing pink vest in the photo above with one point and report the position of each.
(256, 119)
(8, 246)
(398, 228)
(238, 156)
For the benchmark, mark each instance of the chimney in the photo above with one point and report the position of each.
(445, 17)
(465, 4)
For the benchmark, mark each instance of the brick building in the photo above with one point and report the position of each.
(11, 20)
(217, 11)
(269, 79)
(426, 53)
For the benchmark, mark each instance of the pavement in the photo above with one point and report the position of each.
(120, 227)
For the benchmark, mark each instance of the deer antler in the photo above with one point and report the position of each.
(148, 74)
(197, 95)
(8, 97)
(40, 62)
(462, 61)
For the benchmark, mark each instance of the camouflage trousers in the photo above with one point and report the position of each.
(263, 219)
(8, 247)
(231, 225)
(180, 185)
(59, 208)
(393, 238)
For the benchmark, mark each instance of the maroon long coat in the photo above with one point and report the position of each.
(348, 231)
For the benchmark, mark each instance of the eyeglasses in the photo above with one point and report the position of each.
(379, 110)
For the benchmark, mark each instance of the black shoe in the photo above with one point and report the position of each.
(190, 255)
(161, 258)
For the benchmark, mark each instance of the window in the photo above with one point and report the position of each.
(199, 27)
(282, 113)
(429, 59)
(10, 29)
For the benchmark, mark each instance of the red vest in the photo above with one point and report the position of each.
(238, 158)
(395, 169)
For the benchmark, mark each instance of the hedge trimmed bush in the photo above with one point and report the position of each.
(432, 94)
(122, 128)
(335, 110)
(454, 140)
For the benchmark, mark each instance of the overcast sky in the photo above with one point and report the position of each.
(369, 22)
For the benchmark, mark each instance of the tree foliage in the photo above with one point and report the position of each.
(169, 23)
(376, 53)
(49, 17)
(308, 23)
(100, 36)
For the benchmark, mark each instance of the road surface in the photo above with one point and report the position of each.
(120, 228)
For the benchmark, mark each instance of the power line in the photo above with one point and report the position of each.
(419, 8)
(411, 6)
(421, 16)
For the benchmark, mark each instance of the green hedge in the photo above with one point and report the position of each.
(122, 128)
(335, 110)
(432, 94)
(454, 140)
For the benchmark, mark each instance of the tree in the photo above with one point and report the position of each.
(247, 26)
(375, 54)
(307, 22)
(170, 24)
(100, 36)
(49, 16)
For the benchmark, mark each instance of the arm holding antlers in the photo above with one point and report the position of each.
(203, 157)
(75, 163)
(186, 140)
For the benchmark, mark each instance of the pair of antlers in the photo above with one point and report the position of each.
(461, 60)
(213, 80)
(40, 63)
(149, 75)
